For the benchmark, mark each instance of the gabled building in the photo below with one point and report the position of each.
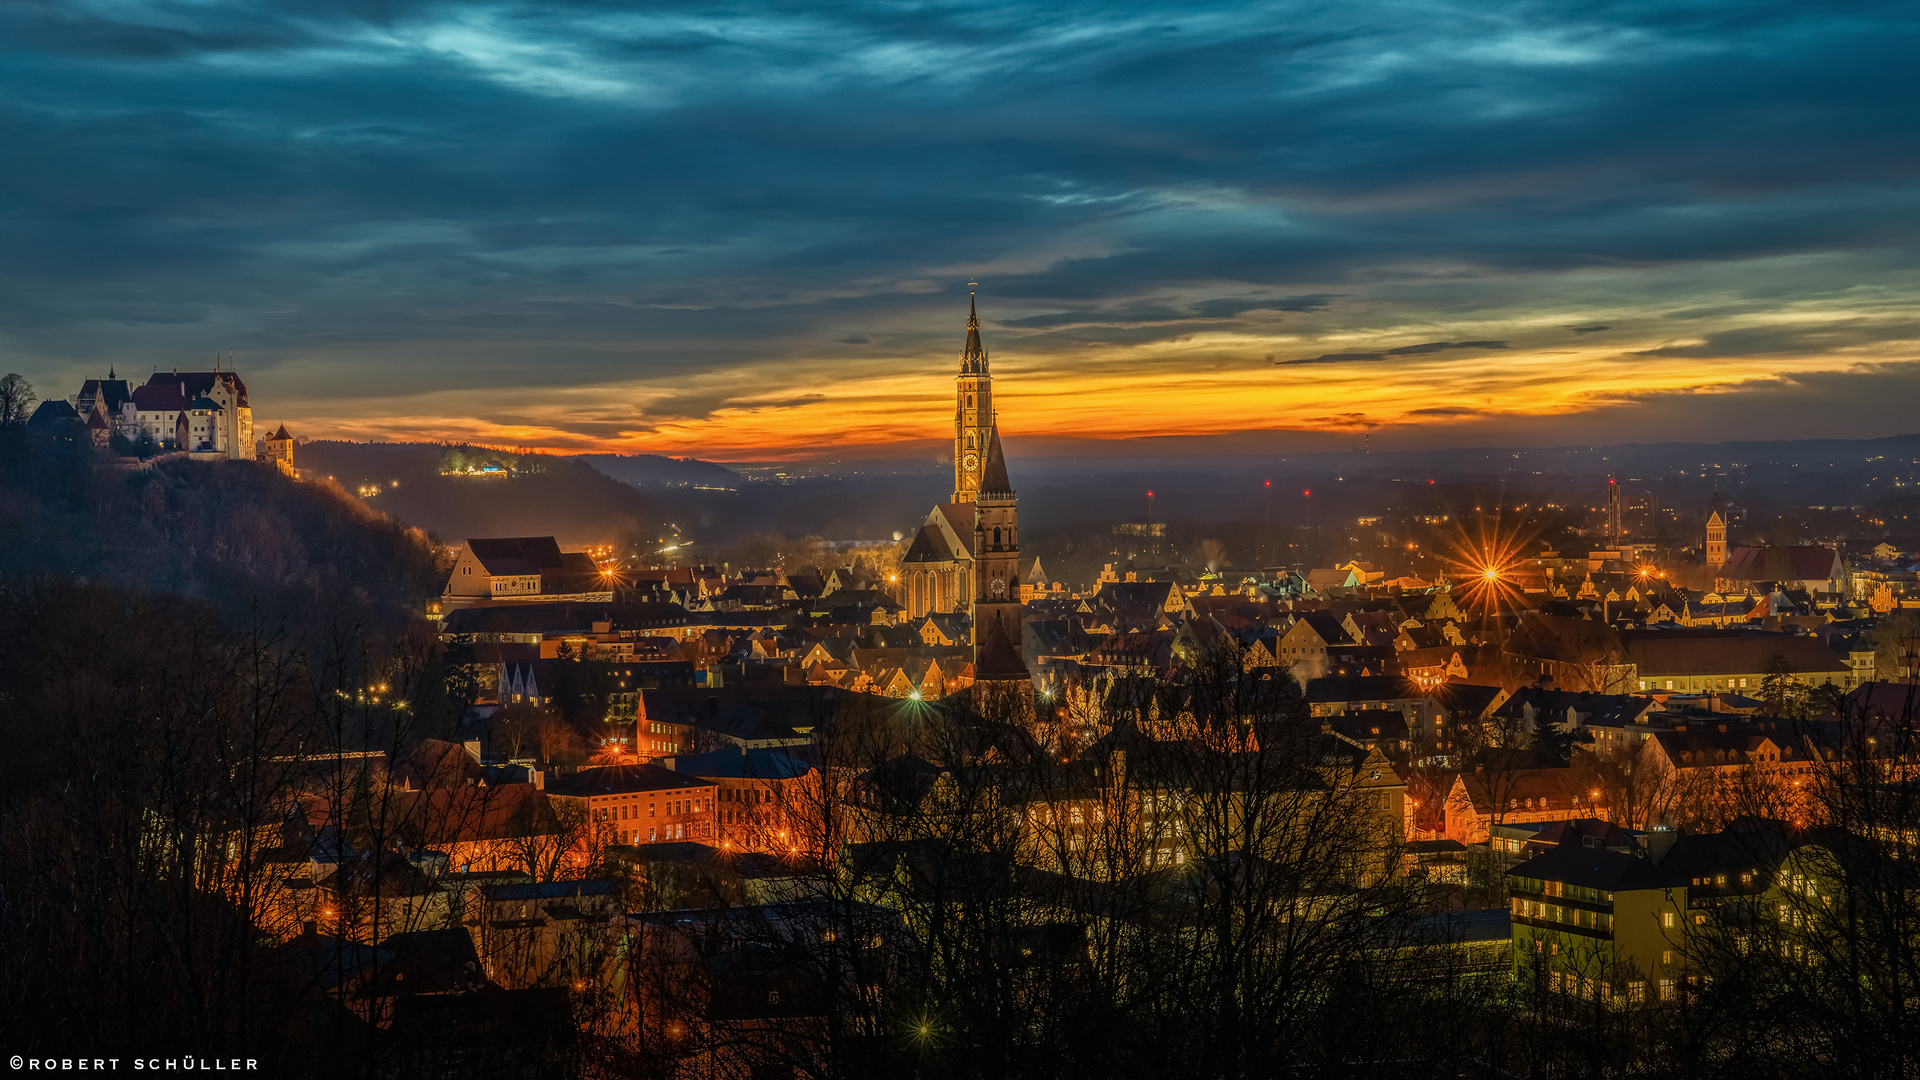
(277, 450)
(204, 412)
(642, 804)
(1614, 924)
(1166, 596)
(522, 569)
(936, 573)
(1482, 800)
(765, 800)
(1598, 924)
(1702, 660)
(106, 398)
(966, 557)
(1813, 567)
(1308, 639)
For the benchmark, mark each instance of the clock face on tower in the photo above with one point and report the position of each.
(998, 587)
(970, 462)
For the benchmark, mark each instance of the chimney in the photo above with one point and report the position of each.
(539, 778)
(1660, 842)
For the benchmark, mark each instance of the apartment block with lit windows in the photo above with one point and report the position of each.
(1599, 924)
(767, 799)
(1613, 924)
(642, 804)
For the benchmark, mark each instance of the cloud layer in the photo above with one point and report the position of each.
(747, 230)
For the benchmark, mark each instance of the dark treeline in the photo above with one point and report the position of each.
(156, 755)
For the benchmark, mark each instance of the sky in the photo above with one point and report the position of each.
(747, 231)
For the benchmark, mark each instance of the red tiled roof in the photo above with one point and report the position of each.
(1659, 656)
(472, 814)
(1811, 562)
(623, 780)
(159, 399)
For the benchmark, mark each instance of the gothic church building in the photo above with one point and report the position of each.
(966, 557)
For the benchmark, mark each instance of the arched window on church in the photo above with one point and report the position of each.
(969, 442)
(996, 536)
(969, 401)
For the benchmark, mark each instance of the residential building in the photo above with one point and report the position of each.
(522, 569)
(1478, 801)
(1814, 568)
(642, 804)
(1701, 660)
(1598, 924)
(1612, 924)
(765, 799)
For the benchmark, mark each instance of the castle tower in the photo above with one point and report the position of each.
(972, 411)
(996, 570)
(279, 451)
(1716, 533)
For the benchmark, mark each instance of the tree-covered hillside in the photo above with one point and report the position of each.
(242, 536)
(456, 492)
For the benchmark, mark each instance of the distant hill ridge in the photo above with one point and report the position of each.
(429, 485)
(656, 470)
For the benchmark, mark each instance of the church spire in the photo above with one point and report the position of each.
(993, 478)
(973, 356)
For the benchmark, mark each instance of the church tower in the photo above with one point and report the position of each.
(972, 411)
(996, 570)
(1716, 534)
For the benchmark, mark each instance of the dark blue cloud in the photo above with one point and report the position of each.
(1423, 349)
(572, 193)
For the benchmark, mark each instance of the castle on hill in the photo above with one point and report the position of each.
(204, 413)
